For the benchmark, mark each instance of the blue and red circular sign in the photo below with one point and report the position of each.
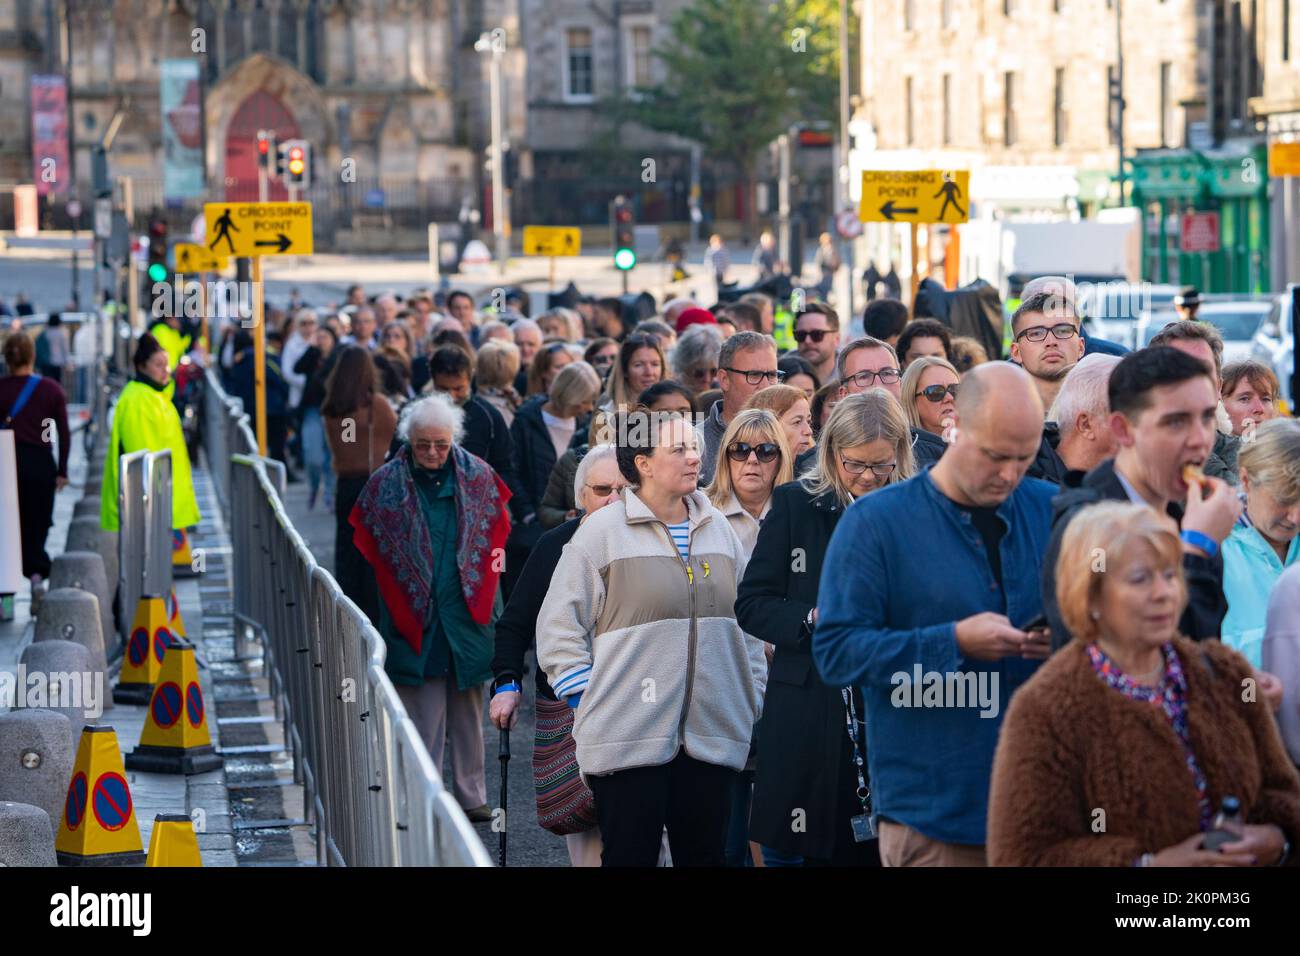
(162, 639)
(74, 808)
(194, 704)
(178, 539)
(166, 705)
(111, 802)
(137, 649)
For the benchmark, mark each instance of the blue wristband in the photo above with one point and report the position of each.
(513, 685)
(1203, 541)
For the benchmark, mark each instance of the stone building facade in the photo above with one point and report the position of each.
(1279, 106)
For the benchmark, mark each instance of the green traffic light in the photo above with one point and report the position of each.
(157, 272)
(624, 259)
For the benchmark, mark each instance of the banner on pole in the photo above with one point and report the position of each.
(182, 130)
(50, 169)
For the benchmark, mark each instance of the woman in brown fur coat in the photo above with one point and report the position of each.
(1120, 750)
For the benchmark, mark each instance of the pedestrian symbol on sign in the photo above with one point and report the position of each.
(224, 225)
(949, 191)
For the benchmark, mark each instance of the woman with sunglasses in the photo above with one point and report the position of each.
(930, 393)
(640, 364)
(695, 359)
(601, 354)
(806, 758)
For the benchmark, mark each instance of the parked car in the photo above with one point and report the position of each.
(1237, 321)
(1112, 310)
(1274, 343)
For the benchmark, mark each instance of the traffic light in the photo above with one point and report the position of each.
(157, 270)
(623, 227)
(295, 163)
(266, 153)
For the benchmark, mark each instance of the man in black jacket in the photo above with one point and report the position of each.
(1162, 413)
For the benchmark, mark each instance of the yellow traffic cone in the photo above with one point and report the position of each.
(175, 738)
(182, 557)
(99, 826)
(175, 622)
(145, 648)
(174, 842)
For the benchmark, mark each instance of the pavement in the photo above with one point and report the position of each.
(528, 843)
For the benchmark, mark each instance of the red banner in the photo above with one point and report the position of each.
(1200, 232)
(51, 170)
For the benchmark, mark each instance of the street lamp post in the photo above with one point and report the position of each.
(1119, 93)
(842, 174)
(492, 44)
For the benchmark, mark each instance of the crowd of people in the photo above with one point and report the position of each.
(884, 599)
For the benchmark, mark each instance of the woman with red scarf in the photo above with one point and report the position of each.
(432, 523)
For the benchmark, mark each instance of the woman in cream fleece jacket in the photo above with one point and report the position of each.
(638, 632)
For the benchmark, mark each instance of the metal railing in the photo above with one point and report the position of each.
(372, 792)
(144, 511)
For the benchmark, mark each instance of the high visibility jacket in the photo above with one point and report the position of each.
(144, 419)
(783, 329)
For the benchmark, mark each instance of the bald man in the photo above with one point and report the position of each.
(927, 594)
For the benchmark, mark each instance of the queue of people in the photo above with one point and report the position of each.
(866, 603)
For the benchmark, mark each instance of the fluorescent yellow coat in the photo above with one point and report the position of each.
(144, 420)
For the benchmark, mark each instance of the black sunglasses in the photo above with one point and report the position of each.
(935, 393)
(815, 334)
(766, 451)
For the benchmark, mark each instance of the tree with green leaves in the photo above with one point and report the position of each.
(737, 74)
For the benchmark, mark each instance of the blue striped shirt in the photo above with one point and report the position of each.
(682, 537)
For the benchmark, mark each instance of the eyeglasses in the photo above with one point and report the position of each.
(766, 451)
(935, 393)
(756, 377)
(424, 447)
(604, 491)
(603, 359)
(887, 376)
(1038, 333)
(815, 334)
(704, 374)
(881, 470)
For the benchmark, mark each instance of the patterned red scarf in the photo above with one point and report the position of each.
(400, 549)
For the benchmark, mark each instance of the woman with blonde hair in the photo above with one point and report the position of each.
(806, 758)
(930, 393)
(757, 459)
(495, 368)
(1136, 719)
(792, 409)
(1266, 538)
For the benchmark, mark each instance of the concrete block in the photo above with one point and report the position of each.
(68, 614)
(85, 534)
(86, 506)
(66, 657)
(26, 838)
(85, 570)
(37, 753)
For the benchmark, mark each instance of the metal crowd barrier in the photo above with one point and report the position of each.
(372, 792)
(144, 510)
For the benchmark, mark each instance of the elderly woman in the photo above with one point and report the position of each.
(930, 393)
(1266, 539)
(495, 368)
(431, 523)
(1122, 748)
(564, 804)
(792, 409)
(757, 460)
(806, 756)
(695, 359)
(637, 633)
(1249, 392)
(640, 364)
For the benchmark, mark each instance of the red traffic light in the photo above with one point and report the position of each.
(623, 214)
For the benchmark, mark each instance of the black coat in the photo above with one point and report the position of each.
(534, 460)
(804, 755)
(1206, 605)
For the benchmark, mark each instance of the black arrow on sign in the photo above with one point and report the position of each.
(888, 210)
(284, 241)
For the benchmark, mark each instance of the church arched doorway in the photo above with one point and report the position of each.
(260, 110)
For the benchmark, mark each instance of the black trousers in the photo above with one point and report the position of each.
(353, 572)
(691, 798)
(36, 474)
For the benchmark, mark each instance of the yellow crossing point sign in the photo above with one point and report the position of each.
(1284, 159)
(915, 195)
(258, 228)
(192, 258)
(552, 240)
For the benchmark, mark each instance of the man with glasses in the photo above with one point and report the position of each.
(1046, 341)
(817, 335)
(974, 523)
(746, 364)
(868, 363)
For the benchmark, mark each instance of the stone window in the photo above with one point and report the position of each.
(578, 64)
(639, 56)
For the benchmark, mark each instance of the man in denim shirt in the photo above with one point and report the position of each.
(925, 591)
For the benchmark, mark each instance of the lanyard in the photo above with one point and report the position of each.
(851, 720)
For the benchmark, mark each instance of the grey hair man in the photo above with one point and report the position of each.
(1081, 413)
(746, 364)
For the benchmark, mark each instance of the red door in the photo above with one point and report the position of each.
(260, 111)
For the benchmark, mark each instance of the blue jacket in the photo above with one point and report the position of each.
(1250, 569)
(904, 565)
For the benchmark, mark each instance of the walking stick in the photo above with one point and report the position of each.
(504, 754)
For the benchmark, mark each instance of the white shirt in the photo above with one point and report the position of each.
(561, 430)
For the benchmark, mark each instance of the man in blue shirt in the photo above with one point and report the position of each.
(926, 591)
